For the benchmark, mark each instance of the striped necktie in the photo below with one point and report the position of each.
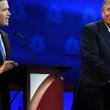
(2, 49)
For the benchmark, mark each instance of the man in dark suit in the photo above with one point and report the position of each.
(5, 63)
(93, 89)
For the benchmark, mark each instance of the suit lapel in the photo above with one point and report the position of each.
(104, 30)
(6, 44)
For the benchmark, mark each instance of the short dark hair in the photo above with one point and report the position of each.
(2, 0)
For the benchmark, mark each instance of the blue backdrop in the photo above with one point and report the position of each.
(51, 30)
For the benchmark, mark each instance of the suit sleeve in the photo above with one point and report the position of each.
(91, 54)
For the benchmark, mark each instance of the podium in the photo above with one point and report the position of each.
(42, 86)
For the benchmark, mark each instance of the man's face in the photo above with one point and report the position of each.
(4, 13)
(106, 13)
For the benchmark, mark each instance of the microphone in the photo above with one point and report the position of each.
(17, 34)
(27, 45)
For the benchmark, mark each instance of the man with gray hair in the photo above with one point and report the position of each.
(93, 89)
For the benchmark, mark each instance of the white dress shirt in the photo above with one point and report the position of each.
(2, 49)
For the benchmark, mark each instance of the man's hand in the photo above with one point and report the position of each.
(8, 65)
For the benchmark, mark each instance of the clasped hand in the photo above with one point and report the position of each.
(8, 65)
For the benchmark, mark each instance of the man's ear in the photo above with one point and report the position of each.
(102, 13)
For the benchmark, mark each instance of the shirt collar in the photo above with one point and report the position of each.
(108, 28)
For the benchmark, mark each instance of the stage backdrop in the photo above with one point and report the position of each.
(48, 32)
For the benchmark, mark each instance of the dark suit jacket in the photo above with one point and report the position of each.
(6, 45)
(4, 89)
(95, 47)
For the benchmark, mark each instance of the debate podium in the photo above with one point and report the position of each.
(42, 86)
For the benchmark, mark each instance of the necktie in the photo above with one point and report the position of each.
(2, 49)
